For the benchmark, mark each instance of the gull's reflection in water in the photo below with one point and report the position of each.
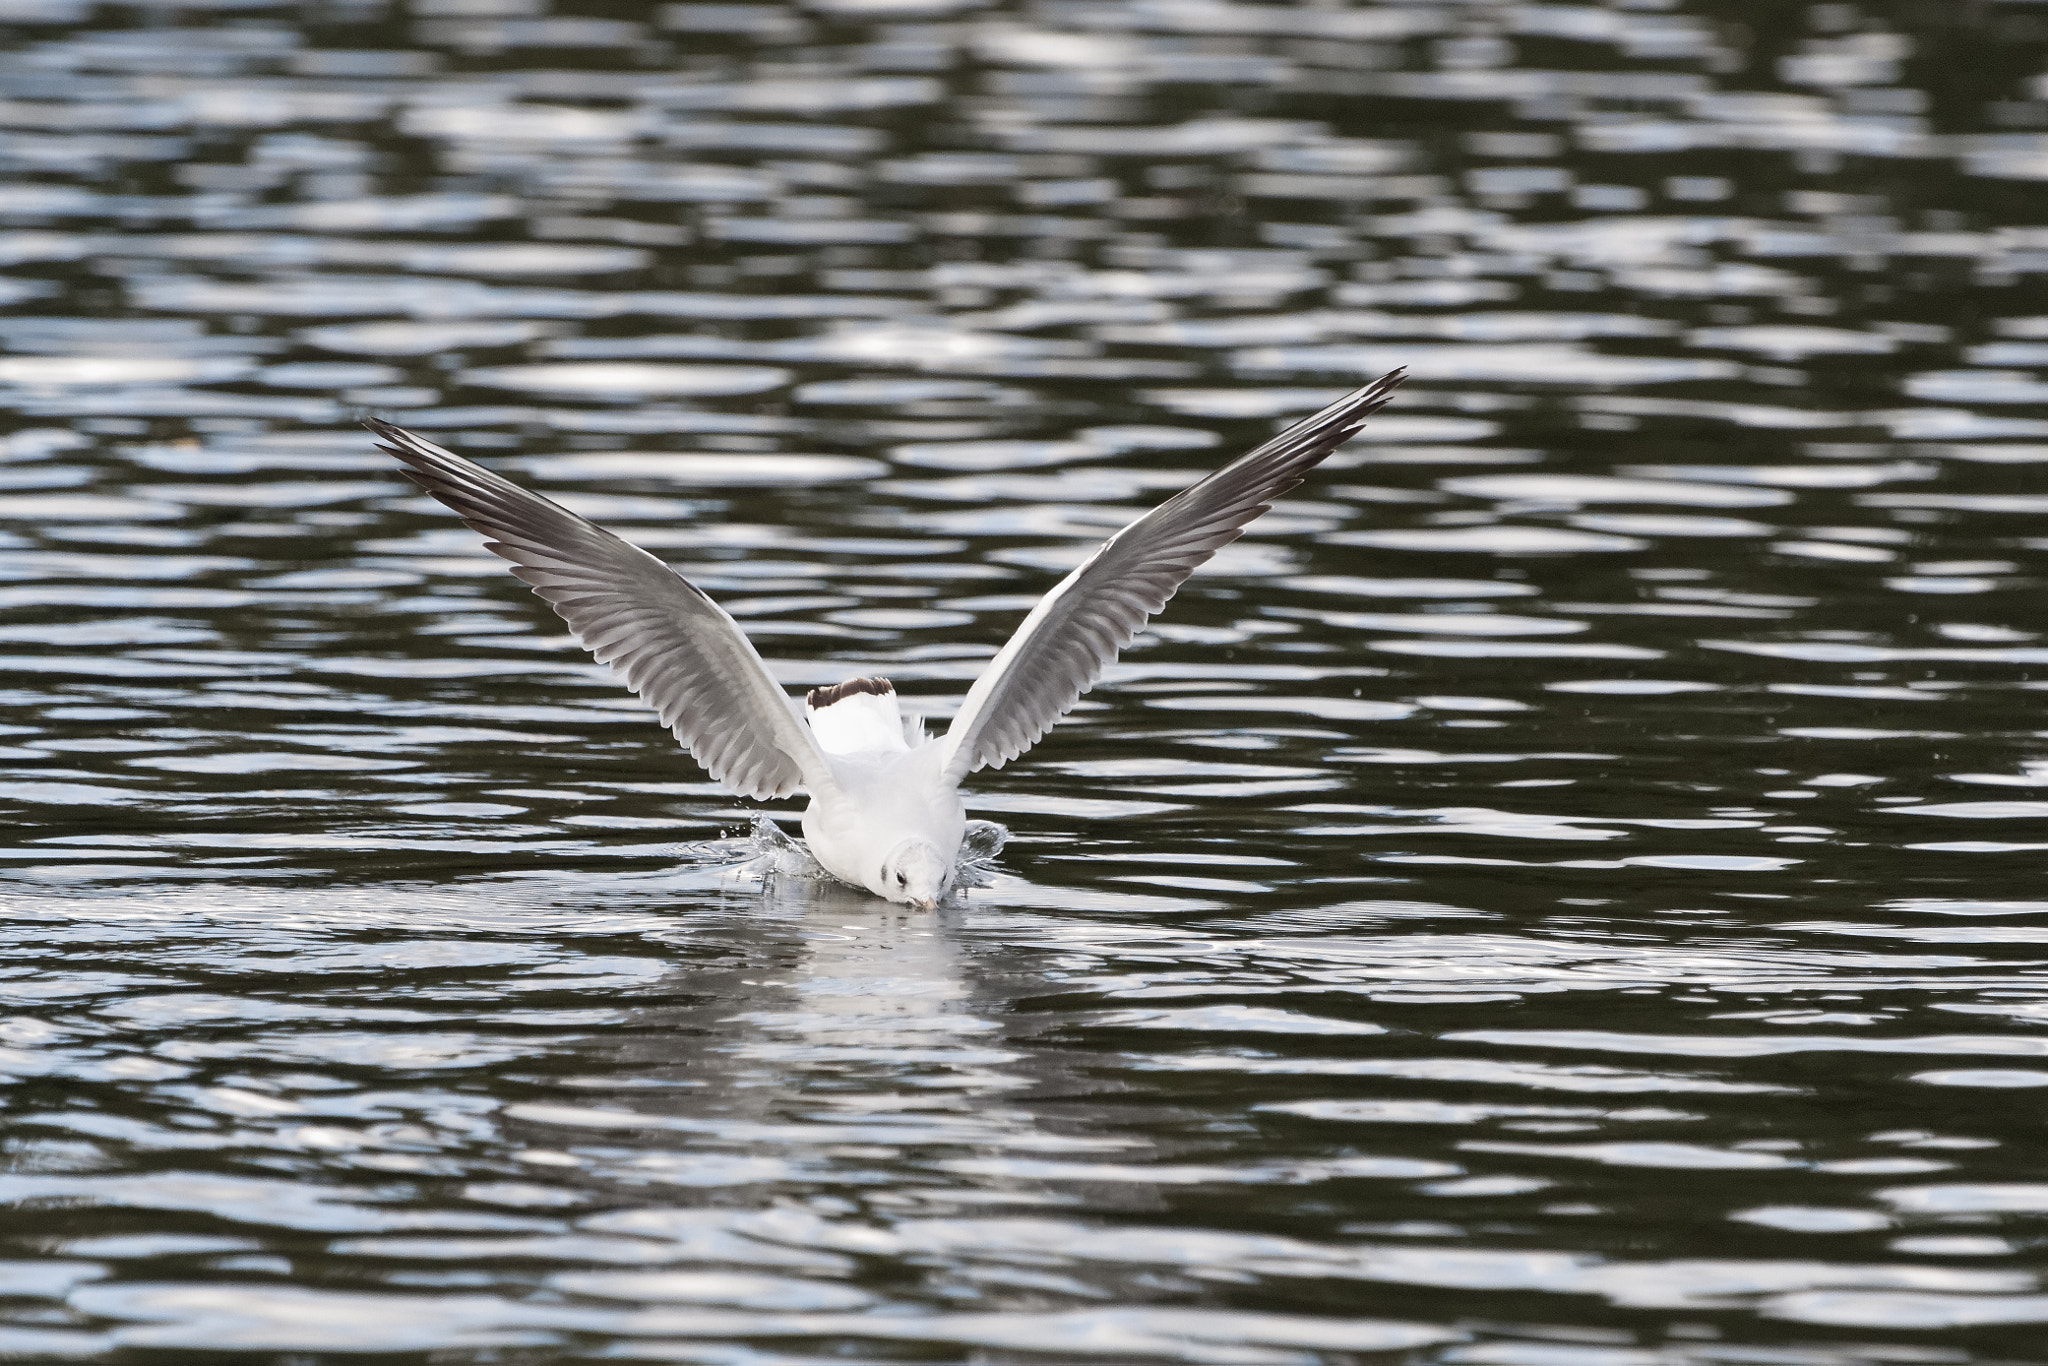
(842, 1128)
(872, 1032)
(826, 1050)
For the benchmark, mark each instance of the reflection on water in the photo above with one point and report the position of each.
(1564, 888)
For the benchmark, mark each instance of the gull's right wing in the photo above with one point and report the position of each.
(678, 649)
(1079, 628)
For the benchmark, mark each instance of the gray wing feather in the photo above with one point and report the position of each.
(1080, 627)
(674, 646)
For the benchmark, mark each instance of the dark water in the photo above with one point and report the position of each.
(1567, 890)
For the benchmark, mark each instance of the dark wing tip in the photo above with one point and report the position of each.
(1323, 433)
(397, 436)
(396, 442)
(1364, 402)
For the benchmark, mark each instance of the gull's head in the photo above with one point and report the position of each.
(914, 872)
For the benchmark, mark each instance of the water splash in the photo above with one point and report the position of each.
(774, 852)
(777, 853)
(979, 849)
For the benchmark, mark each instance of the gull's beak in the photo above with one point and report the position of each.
(930, 904)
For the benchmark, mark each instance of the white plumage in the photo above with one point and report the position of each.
(885, 810)
(867, 718)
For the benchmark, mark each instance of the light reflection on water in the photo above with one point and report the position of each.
(1617, 767)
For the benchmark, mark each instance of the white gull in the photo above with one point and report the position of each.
(885, 810)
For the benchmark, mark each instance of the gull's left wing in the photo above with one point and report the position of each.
(1079, 628)
(678, 649)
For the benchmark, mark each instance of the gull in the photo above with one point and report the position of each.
(885, 807)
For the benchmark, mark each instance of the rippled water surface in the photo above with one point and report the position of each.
(1565, 890)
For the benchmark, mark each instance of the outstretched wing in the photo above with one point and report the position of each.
(675, 647)
(1078, 629)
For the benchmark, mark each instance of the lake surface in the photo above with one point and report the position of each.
(1567, 889)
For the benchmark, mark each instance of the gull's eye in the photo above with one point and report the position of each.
(900, 879)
